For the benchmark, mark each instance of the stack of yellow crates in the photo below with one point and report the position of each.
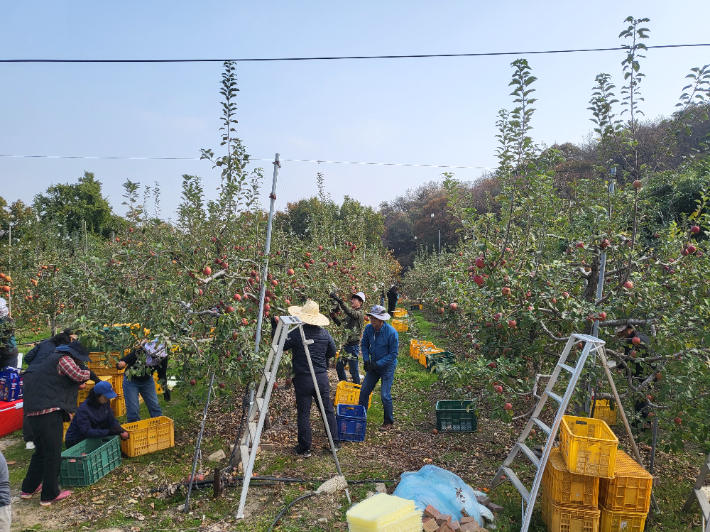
(590, 485)
(105, 367)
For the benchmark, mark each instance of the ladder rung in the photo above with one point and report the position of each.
(547, 430)
(267, 375)
(531, 455)
(525, 494)
(565, 366)
(554, 396)
(703, 502)
(259, 403)
(252, 430)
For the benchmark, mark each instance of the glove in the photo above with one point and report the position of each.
(367, 365)
(115, 431)
(166, 394)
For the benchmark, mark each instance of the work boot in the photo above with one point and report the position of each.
(386, 426)
(303, 452)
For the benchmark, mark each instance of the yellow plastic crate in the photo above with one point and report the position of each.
(399, 313)
(158, 387)
(603, 410)
(566, 488)
(415, 346)
(428, 351)
(400, 326)
(630, 489)
(622, 521)
(589, 446)
(560, 518)
(148, 436)
(66, 428)
(348, 393)
(83, 394)
(118, 405)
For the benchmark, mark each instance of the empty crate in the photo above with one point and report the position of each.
(352, 422)
(589, 446)
(563, 487)
(456, 416)
(148, 435)
(89, 461)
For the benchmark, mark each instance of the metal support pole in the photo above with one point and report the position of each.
(9, 268)
(322, 408)
(186, 508)
(267, 250)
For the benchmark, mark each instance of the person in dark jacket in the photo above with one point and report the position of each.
(34, 359)
(50, 395)
(392, 297)
(8, 345)
(638, 349)
(354, 322)
(140, 364)
(321, 350)
(95, 418)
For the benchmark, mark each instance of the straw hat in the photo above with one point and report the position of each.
(309, 313)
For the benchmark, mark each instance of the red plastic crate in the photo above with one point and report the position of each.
(10, 416)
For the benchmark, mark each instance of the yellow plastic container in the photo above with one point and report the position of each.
(148, 436)
(589, 446)
(415, 347)
(428, 351)
(103, 364)
(66, 428)
(158, 387)
(622, 521)
(118, 405)
(83, 394)
(566, 488)
(400, 325)
(603, 411)
(560, 518)
(630, 489)
(399, 313)
(348, 393)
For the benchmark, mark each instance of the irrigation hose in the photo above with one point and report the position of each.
(271, 481)
(285, 509)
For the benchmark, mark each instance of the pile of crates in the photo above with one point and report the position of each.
(104, 365)
(588, 484)
(351, 418)
(400, 322)
(428, 355)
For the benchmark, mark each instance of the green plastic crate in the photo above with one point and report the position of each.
(456, 416)
(442, 357)
(89, 461)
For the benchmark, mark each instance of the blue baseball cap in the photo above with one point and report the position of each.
(104, 388)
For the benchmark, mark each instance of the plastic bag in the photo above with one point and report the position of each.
(438, 487)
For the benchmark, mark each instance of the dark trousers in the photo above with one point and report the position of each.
(305, 393)
(391, 305)
(352, 352)
(26, 429)
(46, 460)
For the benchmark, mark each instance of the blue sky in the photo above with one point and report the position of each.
(435, 111)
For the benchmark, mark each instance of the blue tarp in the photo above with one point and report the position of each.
(445, 491)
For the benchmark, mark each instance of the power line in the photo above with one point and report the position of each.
(342, 57)
(318, 161)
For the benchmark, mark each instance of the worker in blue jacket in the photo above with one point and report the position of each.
(379, 347)
(95, 417)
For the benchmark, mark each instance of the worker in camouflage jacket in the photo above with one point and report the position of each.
(354, 322)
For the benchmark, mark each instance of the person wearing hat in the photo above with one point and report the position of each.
(380, 347)
(8, 344)
(640, 350)
(354, 322)
(392, 298)
(50, 395)
(95, 417)
(321, 348)
(140, 364)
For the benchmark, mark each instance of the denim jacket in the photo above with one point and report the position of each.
(380, 348)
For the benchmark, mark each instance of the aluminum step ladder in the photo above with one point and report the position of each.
(260, 405)
(698, 495)
(591, 344)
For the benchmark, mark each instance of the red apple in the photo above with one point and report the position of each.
(678, 421)
(636, 340)
(453, 306)
(659, 376)
(628, 285)
(222, 385)
(274, 282)
(480, 263)
(290, 271)
(512, 324)
(235, 335)
(478, 280)
(193, 382)
(493, 365)
(229, 309)
(637, 184)
(498, 389)
(320, 248)
(207, 270)
(237, 297)
(245, 322)
(604, 244)
(580, 245)
(505, 291)
(691, 249)
(508, 406)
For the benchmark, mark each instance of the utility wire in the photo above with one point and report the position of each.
(336, 58)
(250, 159)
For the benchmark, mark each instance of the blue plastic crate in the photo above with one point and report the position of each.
(351, 429)
(352, 422)
(352, 411)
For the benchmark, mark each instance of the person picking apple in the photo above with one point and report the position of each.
(140, 364)
(380, 347)
(354, 322)
(636, 346)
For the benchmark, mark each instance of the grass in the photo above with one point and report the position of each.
(475, 457)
